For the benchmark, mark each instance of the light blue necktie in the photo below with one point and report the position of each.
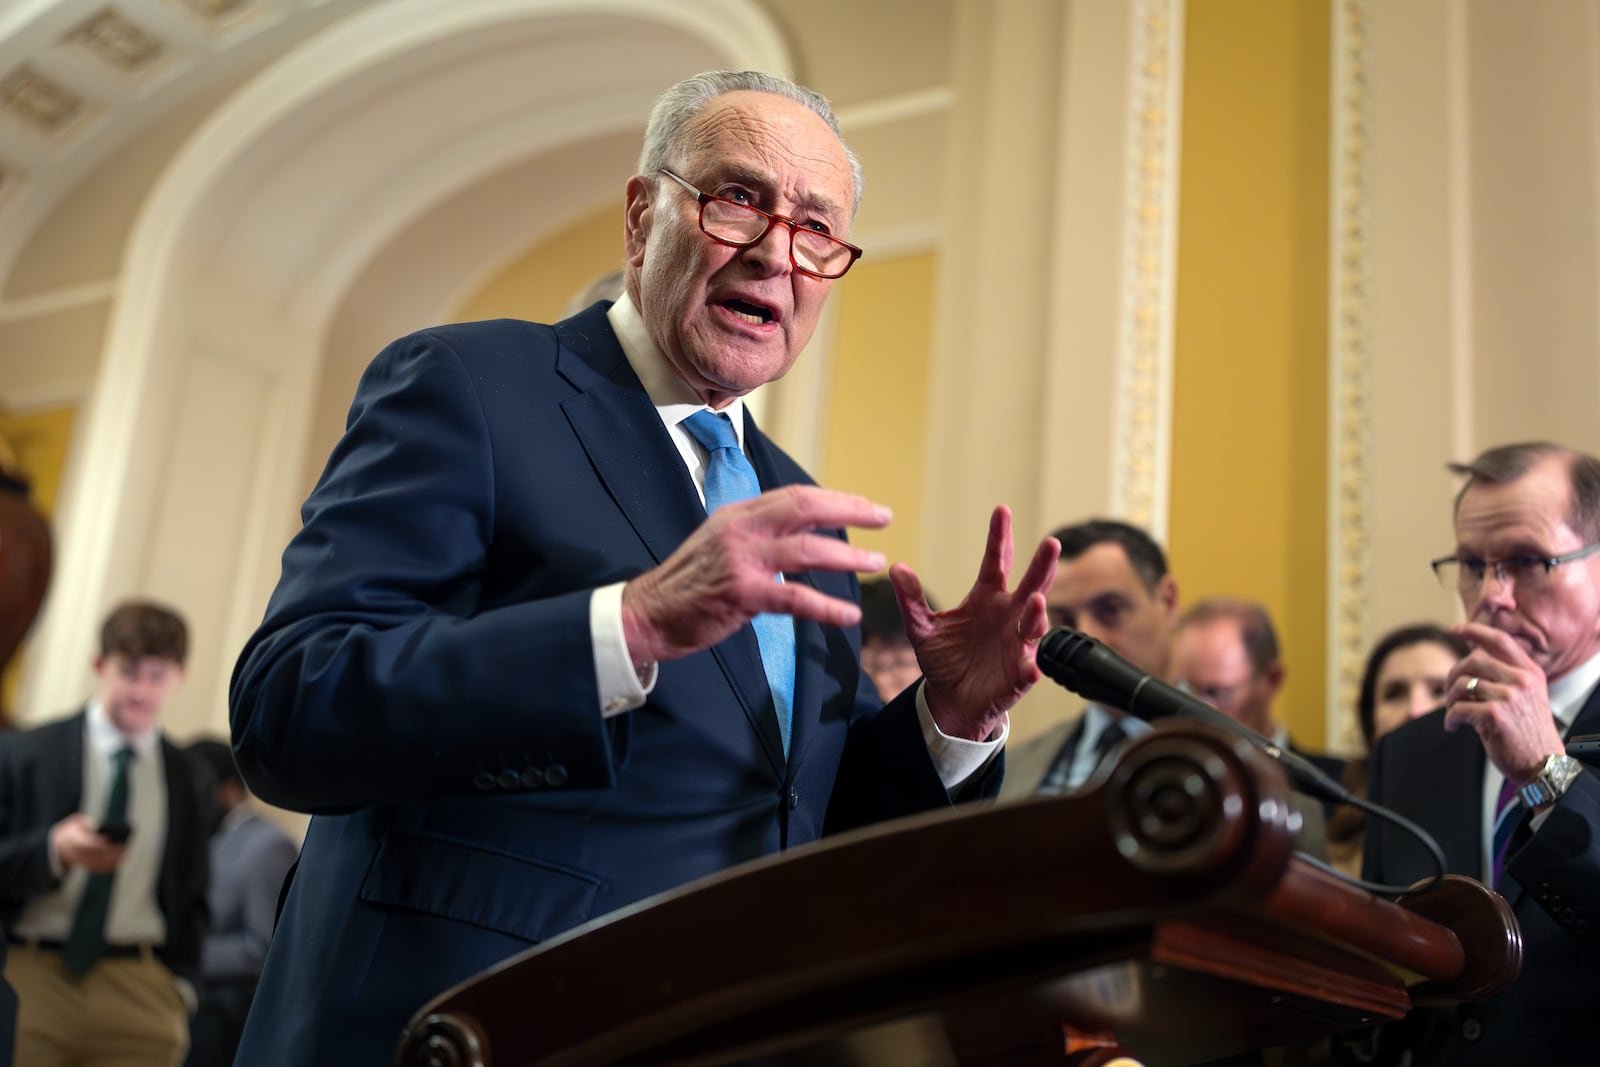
(730, 479)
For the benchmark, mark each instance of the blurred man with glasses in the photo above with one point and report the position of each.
(563, 629)
(1226, 652)
(1488, 776)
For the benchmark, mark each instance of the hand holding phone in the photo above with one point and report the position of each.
(116, 832)
(80, 843)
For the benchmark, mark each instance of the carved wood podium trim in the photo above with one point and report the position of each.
(1162, 904)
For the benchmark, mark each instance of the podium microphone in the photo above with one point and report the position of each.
(1080, 663)
(1087, 667)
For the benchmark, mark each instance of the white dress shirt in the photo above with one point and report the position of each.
(623, 688)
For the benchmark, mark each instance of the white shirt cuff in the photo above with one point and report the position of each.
(621, 687)
(956, 758)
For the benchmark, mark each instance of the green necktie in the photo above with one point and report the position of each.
(88, 938)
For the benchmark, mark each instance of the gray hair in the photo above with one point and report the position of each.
(679, 105)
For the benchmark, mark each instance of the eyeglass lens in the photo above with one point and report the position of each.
(743, 225)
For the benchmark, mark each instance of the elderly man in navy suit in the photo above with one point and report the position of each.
(563, 629)
(1488, 776)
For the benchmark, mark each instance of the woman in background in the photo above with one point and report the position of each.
(1405, 677)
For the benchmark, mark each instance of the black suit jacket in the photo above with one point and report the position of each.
(41, 783)
(1552, 882)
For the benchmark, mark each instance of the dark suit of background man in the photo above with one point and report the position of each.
(113, 985)
(1527, 522)
(511, 666)
(250, 860)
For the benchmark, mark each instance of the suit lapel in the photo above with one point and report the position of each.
(636, 460)
(181, 827)
(1588, 717)
(620, 431)
(66, 752)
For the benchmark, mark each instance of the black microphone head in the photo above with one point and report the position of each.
(1090, 669)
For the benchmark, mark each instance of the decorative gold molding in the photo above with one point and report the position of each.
(1144, 359)
(1350, 373)
(37, 101)
(117, 41)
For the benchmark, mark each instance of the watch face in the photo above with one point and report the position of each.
(1555, 778)
(1563, 771)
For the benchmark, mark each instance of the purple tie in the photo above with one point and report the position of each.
(1507, 814)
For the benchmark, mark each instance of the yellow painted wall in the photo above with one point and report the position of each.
(878, 397)
(539, 284)
(39, 441)
(1249, 455)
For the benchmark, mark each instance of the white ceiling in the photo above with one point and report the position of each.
(82, 79)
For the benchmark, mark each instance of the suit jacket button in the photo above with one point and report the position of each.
(533, 778)
(1472, 1029)
(555, 776)
(483, 781)
(794, 799)
(509, 780)
(1568, 916)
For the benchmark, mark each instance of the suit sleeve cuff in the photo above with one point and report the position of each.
(955, 758)
(621, 686)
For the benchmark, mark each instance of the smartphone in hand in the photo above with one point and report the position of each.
(116, 832)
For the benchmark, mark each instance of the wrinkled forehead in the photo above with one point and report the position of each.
(1530, 512)
(755, 135)
(1216, 639)
(1100, 569)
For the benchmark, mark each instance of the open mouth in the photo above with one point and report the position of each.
(745, 311)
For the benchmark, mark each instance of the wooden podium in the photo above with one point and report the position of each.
(1158, 912)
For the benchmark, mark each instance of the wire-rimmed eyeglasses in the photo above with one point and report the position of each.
(741, 225)
(1466, 573)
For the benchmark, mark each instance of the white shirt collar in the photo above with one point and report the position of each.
(1569, 692)
(107, 739)
(673, 399)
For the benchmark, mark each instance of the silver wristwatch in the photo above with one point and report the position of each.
(1555, 776)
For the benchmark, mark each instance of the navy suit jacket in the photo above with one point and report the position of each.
(41, 783)
(1552, 881)
(424, 683)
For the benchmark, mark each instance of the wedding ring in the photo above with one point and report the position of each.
(1472, 689)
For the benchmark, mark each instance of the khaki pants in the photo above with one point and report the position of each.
(126, 1012)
